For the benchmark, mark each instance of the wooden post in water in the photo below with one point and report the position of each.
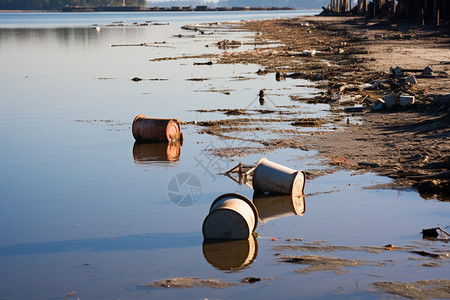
(422, 17)
(393, 7)
(435, 12)
(365, 5)
(345, 5)
(359, 8)
(437, 18)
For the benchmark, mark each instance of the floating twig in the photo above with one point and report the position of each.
(155, 45)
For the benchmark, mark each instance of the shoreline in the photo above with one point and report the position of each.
(411, 143)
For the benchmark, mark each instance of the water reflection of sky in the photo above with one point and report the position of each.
(78, 200)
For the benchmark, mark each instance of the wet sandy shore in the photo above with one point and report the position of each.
(343, 54)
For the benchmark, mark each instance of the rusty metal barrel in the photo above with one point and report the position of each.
(273, 177)
(231, 216)
(147, 130)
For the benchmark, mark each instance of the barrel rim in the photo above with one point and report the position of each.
(245, 199)
(173, 123)
(299, 173)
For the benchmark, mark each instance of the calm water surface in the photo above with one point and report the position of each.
(84, 209)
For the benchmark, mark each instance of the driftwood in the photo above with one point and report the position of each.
(155, 45)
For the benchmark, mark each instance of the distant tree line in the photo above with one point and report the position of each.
(58, 4)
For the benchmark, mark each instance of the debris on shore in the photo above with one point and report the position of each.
(402, 101)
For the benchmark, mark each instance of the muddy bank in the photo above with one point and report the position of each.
(424, 289)
(403, 114)
(194, 282)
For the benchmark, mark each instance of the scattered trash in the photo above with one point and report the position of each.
(273, 177)
(358, 108)
(397, 72)
(427, 71)
(310, 53)
(271, 207)
(406, 100)
(230, 255)
(147, 130)
(379, 106)
(231, 216)
(411, 80)
(390, 100)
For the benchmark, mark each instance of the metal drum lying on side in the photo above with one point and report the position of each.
(231, 216)
(155, 130)
(273, 177)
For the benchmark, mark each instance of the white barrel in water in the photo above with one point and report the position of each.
(273, 177)
(231, 216)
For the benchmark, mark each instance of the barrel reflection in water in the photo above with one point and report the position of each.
(156, 152)
(277, 206)
(230, 255)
